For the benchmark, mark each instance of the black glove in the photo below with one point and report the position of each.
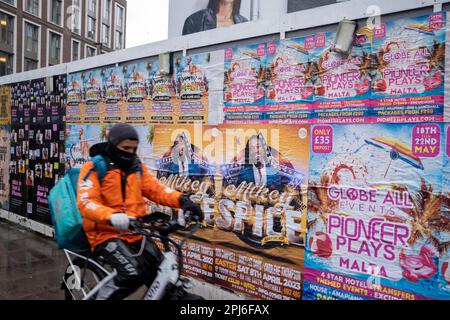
(192, 211)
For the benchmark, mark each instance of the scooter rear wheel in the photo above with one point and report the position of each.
(73, 290)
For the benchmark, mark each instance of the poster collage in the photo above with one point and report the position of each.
(36, 138)
(141, 93)
(394, 74)
(327, 177)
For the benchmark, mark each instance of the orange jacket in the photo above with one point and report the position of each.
(98, 202)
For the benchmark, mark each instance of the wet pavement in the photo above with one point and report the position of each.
(31, 265)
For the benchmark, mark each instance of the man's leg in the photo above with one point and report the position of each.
(150, 260)
(118, 255)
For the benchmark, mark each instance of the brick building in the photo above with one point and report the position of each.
(40, 33)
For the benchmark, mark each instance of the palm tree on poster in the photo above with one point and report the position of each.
(445, 208)
(427, 219)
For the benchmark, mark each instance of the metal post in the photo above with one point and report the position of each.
(254, 10)
(437, 6)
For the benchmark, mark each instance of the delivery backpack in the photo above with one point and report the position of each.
(66, 217)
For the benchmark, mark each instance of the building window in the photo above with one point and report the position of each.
(6, 63)
(32, 6)
(75, 50)
(118, 39)
(92, 7)
(105, 35)
(7, 39)
(30, 64)
(56, 12)
(90, 52)
(31, 38)
(10, 2)
(91, 28)
(119, 27)
(31, 52)
(106, 16)
(54, 49)
(6, 30)
(106, 23)
(92, 20)
(76, 16)
(119, 17)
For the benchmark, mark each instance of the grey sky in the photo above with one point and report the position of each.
(147, 21)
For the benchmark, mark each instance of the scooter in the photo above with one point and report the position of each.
(85, 276)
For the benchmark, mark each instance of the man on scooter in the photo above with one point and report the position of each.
(108, 207)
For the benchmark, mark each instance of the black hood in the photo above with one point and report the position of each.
(99, 149)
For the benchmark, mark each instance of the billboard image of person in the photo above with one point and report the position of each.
(183, 160)
(257, 168)
(259, 165)
(218, 14)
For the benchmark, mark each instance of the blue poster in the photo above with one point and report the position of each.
(374, 213)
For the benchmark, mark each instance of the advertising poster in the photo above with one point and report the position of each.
(37, 145)
(289, 74)
(113, 95)
(251, 184)
(43, 148)
(19, 96)
(48, 107)
(80, 138)
(75, 99)
(444, 262)
(93, 81)
(5, 105)
(17, 169)
(181, 163)
(188, 17)
(192, 87)
(374, 212)
(409, 69)
(161, 93)
(245, 84)
(58, 99)
(179, 159)
(45, 167)
(5, 135)
(39, 106)
(342, 85)
(136, 84)
(262, 210)
(85, 96)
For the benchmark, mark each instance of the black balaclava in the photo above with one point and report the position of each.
(118, 133)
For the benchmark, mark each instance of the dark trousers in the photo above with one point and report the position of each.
(133, 272)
